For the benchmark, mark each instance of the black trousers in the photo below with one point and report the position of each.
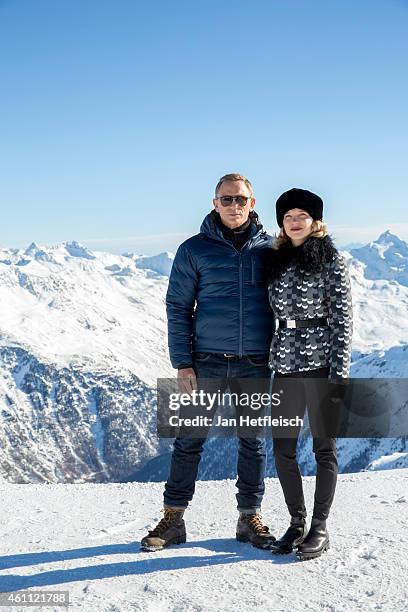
(299, 394)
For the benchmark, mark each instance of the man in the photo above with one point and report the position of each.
(219, 326)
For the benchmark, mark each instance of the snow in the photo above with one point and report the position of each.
(160, 263)
(391, 363)
(68, 304)
(386, 257)
(97, 431)
(106, 313)
(97, 312)
(77, 250)
(109, 309)
(380, 311)
(85, 539)
(388, 462)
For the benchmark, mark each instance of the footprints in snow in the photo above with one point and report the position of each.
(398, 500)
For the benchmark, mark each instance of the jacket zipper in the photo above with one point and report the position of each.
(251, 242)
(240, 303)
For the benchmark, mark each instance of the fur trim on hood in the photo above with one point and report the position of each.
(310, 256)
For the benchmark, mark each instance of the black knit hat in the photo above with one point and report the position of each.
(299, 198)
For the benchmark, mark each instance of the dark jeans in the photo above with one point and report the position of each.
(299, 394)
(180, 486)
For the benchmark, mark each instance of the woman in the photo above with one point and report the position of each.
(309, 292)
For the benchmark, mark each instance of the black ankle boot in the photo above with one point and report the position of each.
(294, 535)
(316, 541)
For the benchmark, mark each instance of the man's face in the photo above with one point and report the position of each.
(233, 214)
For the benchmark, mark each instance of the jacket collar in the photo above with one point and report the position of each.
(210, 227)
(311, 256)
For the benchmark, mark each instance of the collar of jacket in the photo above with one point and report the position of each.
(311, 256)
(210, 228)
(232, 233)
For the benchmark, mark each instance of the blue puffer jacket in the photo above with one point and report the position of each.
(217, 299)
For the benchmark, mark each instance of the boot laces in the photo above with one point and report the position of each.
(255, 522)
(169, 516)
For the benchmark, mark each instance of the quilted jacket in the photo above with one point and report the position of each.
(217, 298)
(306, 282)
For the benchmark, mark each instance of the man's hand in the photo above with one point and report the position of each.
(187, 380)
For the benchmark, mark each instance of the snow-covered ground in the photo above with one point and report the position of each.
(85, 539)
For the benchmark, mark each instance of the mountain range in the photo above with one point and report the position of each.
(83, 340)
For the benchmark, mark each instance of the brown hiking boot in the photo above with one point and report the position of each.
(171, 529)
(251, 529)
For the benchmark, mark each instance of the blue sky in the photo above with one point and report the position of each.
(118, 117)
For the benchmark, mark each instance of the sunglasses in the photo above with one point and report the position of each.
(239, 199)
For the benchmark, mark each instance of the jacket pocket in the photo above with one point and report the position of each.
(258, 275)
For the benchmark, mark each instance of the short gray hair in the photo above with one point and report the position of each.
(234, 177)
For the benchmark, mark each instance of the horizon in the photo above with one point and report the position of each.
(81, 244)
(146, 244)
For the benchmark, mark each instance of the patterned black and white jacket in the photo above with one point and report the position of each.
(306, 282)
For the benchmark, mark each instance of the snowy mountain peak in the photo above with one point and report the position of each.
(160, 263)
(75, 249)
(384, 236)
(385, 258)
(60, 254)
(391, 240)
(32, 249)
